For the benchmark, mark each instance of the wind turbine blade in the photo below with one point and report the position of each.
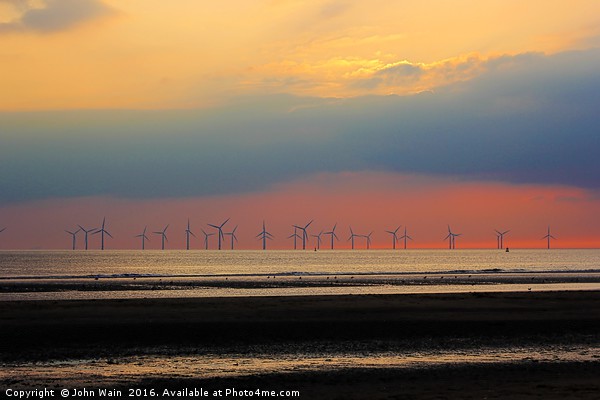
(192, 233)
(214, 226)
(225, 222)
(334, 226)
(108, 234)
(307, 225)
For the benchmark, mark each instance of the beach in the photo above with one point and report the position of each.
(455, 332)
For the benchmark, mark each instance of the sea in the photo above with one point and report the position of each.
(52, 275)
(73, 275)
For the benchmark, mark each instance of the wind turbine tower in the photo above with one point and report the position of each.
(264, 235)
(86, 234)
(163, 235)
(144, 238)
(233, 237)
(295, 236)
(188, 232)
(501, 238)
(333, 235)
(220, 231)
(368, 237)
(452, 238)
(549, 236)
(206, 236)
(405, 237)
(73, 235)
(352, 236)
(304, 233)
(318, 240)
(102, 231)
(394, 237)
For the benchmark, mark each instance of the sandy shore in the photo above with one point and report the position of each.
(58, 330)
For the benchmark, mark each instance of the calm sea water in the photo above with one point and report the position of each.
(54, 275)
(69, 264)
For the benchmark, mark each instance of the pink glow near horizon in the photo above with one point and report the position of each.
(366, 201)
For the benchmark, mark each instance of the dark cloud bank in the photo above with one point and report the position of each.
(57, 16)
(529, 119)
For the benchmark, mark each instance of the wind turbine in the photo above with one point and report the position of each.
(294, 235)
(352, 236)
(102, 231)
(232, 234)
(73, 234)
(163, 235)
(549, 236)
(86, 234)
(451, 238)
(368, 237)
(501, 238)
(394, 236)
(333, 235)
(264, 235)
(188, 232)
(304, 233)
(206, 235)
(220, 229)
(405, 236)
(318, 240)
(144, 238)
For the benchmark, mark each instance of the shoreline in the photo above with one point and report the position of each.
(79, 343)
(76, 326)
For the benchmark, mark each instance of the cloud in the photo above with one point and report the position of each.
(54, 15)
(526, 119)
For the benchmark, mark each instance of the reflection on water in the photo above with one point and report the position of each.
(54, 275)
(121, 371)
(244, 262)
(296, 291)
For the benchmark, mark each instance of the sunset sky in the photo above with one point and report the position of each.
(481, 115)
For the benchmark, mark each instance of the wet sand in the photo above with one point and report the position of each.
(269, 326)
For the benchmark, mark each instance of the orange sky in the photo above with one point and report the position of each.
(217, 58)
(156, 54)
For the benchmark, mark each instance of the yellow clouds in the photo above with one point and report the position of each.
(339, 77)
